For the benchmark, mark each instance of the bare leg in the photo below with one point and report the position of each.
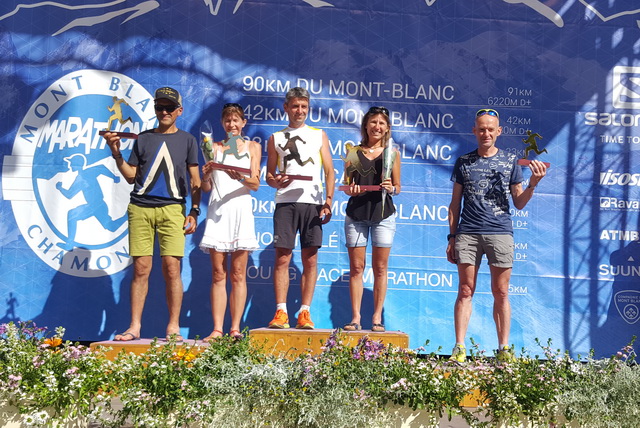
(309, 274)
(501, 307)
(380, 265)
(238, 296)
(357, 263)
(174, 291)
(218, 291)
(467, 275)
(139, 288)
(281, 274)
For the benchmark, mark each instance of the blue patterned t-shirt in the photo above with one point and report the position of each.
(486, 188)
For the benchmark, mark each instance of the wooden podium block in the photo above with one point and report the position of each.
(291, 342)
(287, 342)
(139, 346)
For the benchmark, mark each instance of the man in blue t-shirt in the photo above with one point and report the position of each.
(163, 167)
(484, 178)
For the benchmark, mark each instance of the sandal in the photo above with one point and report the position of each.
(125, 337)
(352, 326)
(378, 328)
(175, 337)
(236, 334)
(213, 335)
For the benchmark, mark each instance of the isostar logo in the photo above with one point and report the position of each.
(626, 87)
(611, 178)
(628, 305)
(67, 195)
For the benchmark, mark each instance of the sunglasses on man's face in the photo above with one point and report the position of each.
(168, 108)
(489, 111)
(379, 110)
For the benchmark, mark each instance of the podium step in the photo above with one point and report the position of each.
(291, 342)
(288, 342)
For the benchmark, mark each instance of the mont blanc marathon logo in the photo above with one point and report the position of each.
(67, 195)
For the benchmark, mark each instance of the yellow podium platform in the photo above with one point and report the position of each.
(292, 342)
(287, 342)
(138, 346)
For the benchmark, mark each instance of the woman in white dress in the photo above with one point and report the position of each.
(230, 227)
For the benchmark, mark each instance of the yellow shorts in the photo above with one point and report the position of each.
(168, 221)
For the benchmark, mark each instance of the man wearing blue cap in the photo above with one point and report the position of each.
(163, 160)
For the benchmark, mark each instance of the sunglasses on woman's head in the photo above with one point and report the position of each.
(379, 110)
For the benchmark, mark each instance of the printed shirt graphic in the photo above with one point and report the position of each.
(162, 161)
(299, 153)
(486, 183)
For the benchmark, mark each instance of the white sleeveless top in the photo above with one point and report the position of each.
(299, 153)
(230, 225)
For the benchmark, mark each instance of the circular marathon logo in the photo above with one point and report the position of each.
(67, 195)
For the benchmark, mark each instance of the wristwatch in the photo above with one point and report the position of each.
(451, 235)
(195, 210)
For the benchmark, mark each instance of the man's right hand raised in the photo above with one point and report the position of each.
(113, 141)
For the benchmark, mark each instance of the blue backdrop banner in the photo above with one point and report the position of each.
(566, 70)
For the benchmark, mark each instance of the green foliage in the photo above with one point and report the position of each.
(604, 393)
(527, 387)
(47, 379)
(232, 383)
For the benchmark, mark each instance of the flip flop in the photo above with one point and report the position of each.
(176, 337)
(236, 334)
(352, 326)
(124, 336)
(378, 328)
(212, 336)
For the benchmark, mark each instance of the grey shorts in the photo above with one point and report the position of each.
(498, 248)
(289, 218)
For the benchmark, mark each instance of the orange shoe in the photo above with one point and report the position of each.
(281, 320)
(304, 320)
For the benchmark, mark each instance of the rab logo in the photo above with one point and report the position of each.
(67, 195)
(627, 303)
(626, 87)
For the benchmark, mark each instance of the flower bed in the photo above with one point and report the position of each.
(50, 381)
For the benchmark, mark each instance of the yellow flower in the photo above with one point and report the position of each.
(53, 342)
(184, 354)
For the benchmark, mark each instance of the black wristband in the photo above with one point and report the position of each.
(451, 235)
(118, 156)
(195, 210)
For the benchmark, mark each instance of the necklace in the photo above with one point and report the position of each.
(371, 149)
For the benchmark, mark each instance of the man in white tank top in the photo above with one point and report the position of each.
(302, 205)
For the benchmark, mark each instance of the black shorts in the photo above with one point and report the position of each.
(289, 218)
